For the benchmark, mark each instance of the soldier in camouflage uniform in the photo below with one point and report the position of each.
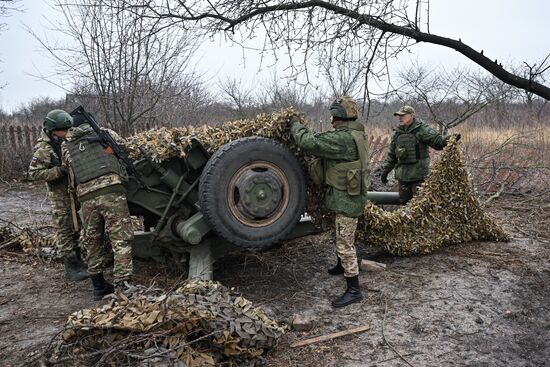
(46, 166)
(408, 152)
(99, 179)
(343, 167)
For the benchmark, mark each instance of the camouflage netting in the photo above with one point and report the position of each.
(445, 212)
(199, 324)
(25, 239)
(166, 143)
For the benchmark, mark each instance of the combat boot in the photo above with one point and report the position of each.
(352, 294)
(121, 285)
(337, 269)
(101, 286)
(74, 269)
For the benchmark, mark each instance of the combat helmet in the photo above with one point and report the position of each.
(344, 108)
(57, 120)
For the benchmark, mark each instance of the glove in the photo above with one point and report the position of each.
(384, 177)
(62, 171)
(458, 136)
(293, 119)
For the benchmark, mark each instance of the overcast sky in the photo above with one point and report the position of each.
(507, 30)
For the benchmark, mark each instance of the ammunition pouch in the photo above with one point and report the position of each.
(345, 176)
(91, 160)
(316, 171)
(352, 177)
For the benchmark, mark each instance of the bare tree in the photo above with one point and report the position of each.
(132, 64)
(237, 96)
(450, 97)
(382, 28)
(343, 73)
(6, 8)
(535, 72)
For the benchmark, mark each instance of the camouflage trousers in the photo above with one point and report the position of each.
(108, 215)
(62, 221)
(345, 244)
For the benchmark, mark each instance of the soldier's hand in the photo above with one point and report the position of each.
(293, 119)
(384, 177)
(62, 171)
(458, 136)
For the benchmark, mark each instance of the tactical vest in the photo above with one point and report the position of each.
(352, 176)
(409, 150)
(90, 160)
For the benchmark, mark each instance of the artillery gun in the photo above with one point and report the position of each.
(250, 194)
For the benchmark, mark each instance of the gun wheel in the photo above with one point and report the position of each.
(252, 192)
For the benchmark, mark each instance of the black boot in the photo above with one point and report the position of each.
(101, 286)
(352, 294)
(79, 261)
(73, 267)
(337, 269)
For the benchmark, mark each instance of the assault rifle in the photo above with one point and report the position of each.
(105, 139)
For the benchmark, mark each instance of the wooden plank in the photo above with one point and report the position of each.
(370, 265)
(326, 337)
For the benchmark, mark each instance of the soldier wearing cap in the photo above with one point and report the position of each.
(46, 166)
(342, 167)
(408, 152)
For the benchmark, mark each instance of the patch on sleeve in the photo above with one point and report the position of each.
(34, 161)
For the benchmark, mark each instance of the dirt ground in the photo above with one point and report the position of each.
(475, 304)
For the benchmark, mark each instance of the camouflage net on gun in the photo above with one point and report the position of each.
(445, 212)
(201, 323)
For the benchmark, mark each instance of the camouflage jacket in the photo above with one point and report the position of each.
(46, 165)
(86, 189)
(333, 147)
(425, 135)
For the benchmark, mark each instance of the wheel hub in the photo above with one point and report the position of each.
(258, 194)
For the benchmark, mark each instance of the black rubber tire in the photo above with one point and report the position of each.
(215, 180)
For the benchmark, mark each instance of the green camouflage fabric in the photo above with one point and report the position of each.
(102, 182)
(333, 147)
(46, 166)
(418, 171)
(345, 244)
(108, 214)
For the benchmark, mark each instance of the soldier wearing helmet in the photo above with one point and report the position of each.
(99, 180)
(342, 167)
(408, 152)
(46, 166)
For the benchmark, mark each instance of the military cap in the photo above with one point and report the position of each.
(405, 110)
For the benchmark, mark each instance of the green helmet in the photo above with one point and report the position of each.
(57, 120)
(344, 108)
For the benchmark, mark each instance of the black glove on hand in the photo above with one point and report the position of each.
(62, 171)
(458, 136)
(384, 177)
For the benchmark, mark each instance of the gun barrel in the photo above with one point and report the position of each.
(383, 198)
